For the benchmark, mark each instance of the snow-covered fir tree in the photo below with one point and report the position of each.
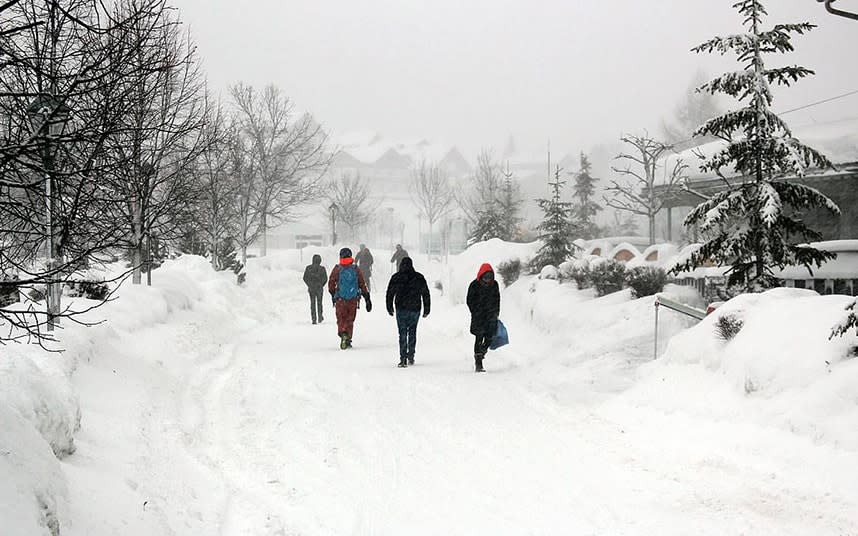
(510, 206)
(490, 223)
(755, 224)
(557, 229)
(585, 208)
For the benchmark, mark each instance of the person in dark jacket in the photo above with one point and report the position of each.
(346, 286)
(364, 261)
(315, 278)
(406, 290)
(484, 303)
(398, 255)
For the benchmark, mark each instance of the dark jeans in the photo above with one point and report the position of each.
(316, 305)
(407, 323)
(481, 344)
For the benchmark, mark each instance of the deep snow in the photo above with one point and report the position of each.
(212, 409)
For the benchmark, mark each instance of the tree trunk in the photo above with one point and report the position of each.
(429, 252)
(263, 249)
(651, 229)
(137, 261)
(214, 245)
(137, 237)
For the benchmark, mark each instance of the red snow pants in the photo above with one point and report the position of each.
(346, 312)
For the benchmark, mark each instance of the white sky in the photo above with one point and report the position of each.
(472, 72)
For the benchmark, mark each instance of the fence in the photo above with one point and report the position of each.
(663, 301)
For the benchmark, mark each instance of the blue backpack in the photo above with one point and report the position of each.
(347, 286)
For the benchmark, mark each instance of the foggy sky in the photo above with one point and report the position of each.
(473, 72)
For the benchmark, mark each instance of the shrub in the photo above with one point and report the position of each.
(582, 275)
(728, 326)
(38, 292)
(646, 280)
(93, 290)
(510, 271)
(608, 277)
(550, 272)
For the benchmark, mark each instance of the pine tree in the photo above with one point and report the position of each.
(755, 225)
(510, 206)
(585, 208)
(557, 229)
(489, 224)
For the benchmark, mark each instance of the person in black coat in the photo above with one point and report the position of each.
(315, 277)
(484, 303)
(406, 290)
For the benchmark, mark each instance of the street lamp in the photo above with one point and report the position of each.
(49, 115)
(333, 208)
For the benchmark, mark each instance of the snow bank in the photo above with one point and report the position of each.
(39, 410)
(781, 363)
(463, 267)
(33, 495)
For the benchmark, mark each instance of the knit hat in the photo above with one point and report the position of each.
(345, 252)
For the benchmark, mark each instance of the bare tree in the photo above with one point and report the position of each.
(63, 68)
(481, 200)
(353, 200)
(162, 136)
(637, 194)
(283, 163)
(215, 216)
(431, 193)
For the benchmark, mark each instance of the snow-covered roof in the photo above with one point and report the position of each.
(370, 148)
(662, 252)
(845, 266)
(838, 140)
(624, 246)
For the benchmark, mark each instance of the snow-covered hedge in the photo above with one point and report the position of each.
(781, 361)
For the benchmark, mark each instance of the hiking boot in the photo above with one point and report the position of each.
(402, 364)
(349, 342)
(411, 360)
(478, 364)
(344, 341)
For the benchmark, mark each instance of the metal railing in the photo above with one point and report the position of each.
(663, 301)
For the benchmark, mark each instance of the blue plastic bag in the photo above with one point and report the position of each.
(501, 337)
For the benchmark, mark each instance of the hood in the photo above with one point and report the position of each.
(486, 267)
(317, 259)
(406, 265)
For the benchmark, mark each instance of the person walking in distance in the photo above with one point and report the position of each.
(364, 261)
(406, 290)
(346, 286)
(398, 255)
(315, 278)
(484, 303)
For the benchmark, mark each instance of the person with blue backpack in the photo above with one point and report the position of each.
(346, 286)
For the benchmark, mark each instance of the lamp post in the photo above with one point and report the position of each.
(333, 208)
(49, 115)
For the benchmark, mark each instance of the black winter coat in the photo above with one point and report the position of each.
(484, 304)
(407, 288)
(315, 275)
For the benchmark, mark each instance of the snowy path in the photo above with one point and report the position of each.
(274, 430)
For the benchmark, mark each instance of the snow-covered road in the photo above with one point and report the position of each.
(256, 423)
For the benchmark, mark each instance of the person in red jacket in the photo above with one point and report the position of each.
(346, 286)
(484, 303)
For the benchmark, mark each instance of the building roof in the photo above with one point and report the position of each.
(837, 140)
